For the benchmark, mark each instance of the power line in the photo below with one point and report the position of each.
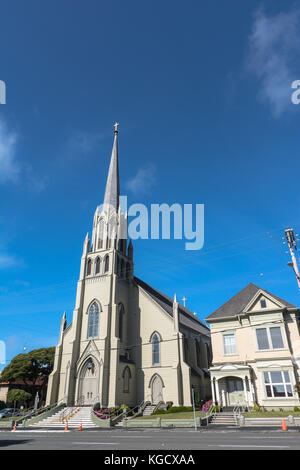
(129, 347)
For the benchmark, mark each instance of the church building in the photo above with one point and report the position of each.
(127, 342)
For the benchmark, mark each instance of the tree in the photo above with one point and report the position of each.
(28, 368)
(18, 396)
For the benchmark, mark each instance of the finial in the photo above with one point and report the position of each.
(184, 299)
(175, 299)
(116, 125)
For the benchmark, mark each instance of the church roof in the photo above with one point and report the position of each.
(186, 317)
(112, 189)
(236, 305)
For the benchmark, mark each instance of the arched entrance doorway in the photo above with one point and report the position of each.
(156, 390)
(235, 391)
(88, 383)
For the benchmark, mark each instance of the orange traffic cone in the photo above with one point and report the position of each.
(283, 425)
(14, 428)
(66, 427)
(80, 427)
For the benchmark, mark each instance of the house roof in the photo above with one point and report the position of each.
(186, 317)
(236, 305)
(39, 382)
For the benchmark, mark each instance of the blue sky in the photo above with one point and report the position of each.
(202, 94)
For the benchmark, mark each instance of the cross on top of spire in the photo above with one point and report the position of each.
(116, 125)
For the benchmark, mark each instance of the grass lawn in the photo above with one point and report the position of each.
(181, 415)
(272, 414)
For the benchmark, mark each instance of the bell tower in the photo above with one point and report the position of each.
(95, 344)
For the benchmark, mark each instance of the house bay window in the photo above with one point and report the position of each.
(229, 344)
(269, 338)
(278, 384)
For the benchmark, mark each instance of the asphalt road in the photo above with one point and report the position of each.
(152, 439)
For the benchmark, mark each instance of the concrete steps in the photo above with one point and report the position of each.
(224, 418)
(148, 410)
(74, 416)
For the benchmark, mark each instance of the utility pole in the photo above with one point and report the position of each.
(292, 243)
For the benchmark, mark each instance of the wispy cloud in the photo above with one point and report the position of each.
(9, 168)
(21, 283)
(143, 181)
(272, 56)
(34, 182)
(8, 261)
(84, 142)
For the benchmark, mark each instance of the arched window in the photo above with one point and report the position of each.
(122, 271)
(89, 267)
(93, 321)
(118, 266)
(121, 320)
(209, 355)
(198, 353)
(186, 348)
(155, 349)
(97, 270)
(127, 270)
(126, 380)
(106, 264)
(101, 234)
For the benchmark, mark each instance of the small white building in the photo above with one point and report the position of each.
(256, 351)
(127, 342)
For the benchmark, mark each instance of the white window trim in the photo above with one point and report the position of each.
(267, 327)
(230, 333)
(291, 382)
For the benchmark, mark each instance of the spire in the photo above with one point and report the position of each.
(112, 190)
(63, 325)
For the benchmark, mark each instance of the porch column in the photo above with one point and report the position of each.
(245, 389)
(252, 393)
(217, 391)
(213, 390)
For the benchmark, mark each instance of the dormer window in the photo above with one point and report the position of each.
(263, 303)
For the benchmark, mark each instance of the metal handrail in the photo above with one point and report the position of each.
(140, 408)
(37, 412)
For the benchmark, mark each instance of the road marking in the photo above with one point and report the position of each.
(245, 445)
(30, 432)
(135, 437)
(97, 443)
(265, 437)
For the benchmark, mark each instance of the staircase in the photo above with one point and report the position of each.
(72, 415)
(225, 418)
(149, 410)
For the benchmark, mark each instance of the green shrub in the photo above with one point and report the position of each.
(296, 408)
(16, 396)
(124, 407)
(159, 412)
(113, 410)
(179, 409)
(256, 407)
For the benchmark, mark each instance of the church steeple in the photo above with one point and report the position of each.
(112, 189)
(110, 224)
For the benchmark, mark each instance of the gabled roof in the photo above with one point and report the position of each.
(186, 317)
(236, 305)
